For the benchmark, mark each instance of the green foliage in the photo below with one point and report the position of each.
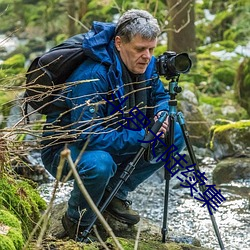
(229, 22)
(12, 67)
(219, 102)
(17, 61)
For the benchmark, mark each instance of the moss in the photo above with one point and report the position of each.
(21, 199)
(13, 239)
(220, 132)
(225, 75)
(235, 125)
(9, 219)
(242, 84)
(16, 237)
(214, 101)
(16, 61)
(6, 243)
(128, 244)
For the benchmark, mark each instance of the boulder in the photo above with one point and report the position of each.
(230, 139)
(231, 169)
(197, 125)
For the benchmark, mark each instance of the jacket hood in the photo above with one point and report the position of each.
(98, 43)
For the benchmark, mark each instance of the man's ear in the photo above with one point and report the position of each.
(118, 42)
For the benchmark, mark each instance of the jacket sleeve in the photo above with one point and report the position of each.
(88, 114)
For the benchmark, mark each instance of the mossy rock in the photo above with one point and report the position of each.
(128, 244)
(22, 200)
(231, 139)
(11, 237)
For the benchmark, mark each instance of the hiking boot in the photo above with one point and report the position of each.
(121, 211)
(75, 231)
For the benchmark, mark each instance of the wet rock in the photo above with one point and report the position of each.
(197, 125)
(231, 169)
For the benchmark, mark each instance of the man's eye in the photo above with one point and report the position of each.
(139, 50)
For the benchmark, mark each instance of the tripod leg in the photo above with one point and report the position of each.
(170, 141)
(196, 167)
(164, 229)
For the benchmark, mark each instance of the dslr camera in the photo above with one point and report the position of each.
(171, 65)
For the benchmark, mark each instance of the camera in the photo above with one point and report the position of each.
(171, 65)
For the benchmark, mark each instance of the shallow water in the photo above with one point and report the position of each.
(186, 217)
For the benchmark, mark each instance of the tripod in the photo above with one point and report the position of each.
(173, 90)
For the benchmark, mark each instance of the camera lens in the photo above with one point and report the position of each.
(182, 63)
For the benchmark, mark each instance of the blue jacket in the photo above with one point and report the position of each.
(90, 116)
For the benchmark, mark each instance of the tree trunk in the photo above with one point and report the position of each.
(71, 6)
(181, 27)
(83, 7)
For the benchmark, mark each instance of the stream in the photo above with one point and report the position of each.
(186, 217)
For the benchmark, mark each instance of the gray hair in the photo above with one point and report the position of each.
(137, 22)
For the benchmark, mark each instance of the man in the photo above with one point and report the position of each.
(123, 80)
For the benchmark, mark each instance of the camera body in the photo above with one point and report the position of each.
(171, 65)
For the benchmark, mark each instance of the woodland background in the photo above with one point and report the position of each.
(214, 33)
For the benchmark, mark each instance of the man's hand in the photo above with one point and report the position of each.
(165, 126)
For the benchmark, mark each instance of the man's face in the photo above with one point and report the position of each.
(137, 53)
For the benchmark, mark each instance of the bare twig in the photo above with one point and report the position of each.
(137, 236)
(67, 155)
(99, 238)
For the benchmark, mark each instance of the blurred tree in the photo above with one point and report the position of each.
(181, 27)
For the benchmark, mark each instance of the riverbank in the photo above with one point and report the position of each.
(186, 218)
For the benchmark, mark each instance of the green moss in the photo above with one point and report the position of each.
(16, 237)
(128, 244)
(219, 131)
(6, 243)
(212, 100)
(9, 219)
(235, 125)
(13, 239)
(225, 75)
(21, 199)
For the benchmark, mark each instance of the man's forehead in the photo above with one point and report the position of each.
(139, 40)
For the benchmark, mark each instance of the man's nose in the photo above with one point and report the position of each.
(146, 54)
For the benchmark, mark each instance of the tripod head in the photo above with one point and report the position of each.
(174, 89)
